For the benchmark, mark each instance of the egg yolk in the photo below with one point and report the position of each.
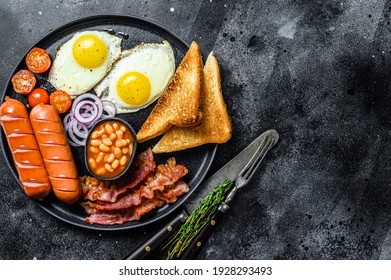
(89, 51)
(134, 88)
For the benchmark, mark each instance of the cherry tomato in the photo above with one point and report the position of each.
(23, 81)
(61, 100)
(38, 60)
(37, 96)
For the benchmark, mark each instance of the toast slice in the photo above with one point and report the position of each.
(181, 102)
(216, 124)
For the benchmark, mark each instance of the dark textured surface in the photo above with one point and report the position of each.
(316, 71)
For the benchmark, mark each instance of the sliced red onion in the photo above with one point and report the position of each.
(87, 118)
(73, 144)
(87, 115)
(89, 110)
(91, 124)
(86, 110)
(80, 142)
(72, 139)
(68, 118)
(68, 124)
(80, 129)
(85, 96)
(109, 107)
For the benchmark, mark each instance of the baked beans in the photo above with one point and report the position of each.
(109, 149)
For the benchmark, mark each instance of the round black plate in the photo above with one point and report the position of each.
(133, 30)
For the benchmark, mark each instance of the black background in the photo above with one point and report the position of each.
(316, 71)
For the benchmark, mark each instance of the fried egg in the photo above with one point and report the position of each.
(139, 77)
(84, 60)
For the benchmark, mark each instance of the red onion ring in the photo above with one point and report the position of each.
(85, 96)
(75, 140)
(80, 129)
(86, 110)
(68, 118)
(72, 139)
(109, 107)
(89, 118)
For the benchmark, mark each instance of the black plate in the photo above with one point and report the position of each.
(133, 30)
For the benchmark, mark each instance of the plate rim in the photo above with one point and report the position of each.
(126, 226)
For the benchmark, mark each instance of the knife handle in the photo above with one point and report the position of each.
(198, 243)
(153, 242)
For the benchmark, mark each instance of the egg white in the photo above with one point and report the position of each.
(155, 61)
(68, 75)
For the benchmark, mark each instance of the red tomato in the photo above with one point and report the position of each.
(38, 60)
(37, 96)
(61, 100)
(23, 81)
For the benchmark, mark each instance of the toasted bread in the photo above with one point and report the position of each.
(216, 124)
(181, 103)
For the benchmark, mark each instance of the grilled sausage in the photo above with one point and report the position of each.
(56, 153)
(27, 158)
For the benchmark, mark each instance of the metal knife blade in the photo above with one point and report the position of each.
(228, 171)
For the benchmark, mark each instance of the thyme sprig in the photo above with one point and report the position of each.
(200, 216)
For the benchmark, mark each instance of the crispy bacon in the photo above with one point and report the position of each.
(130, 199)
(128, 215)
(134, 213)
(94, 190)
(166, 175)
(142, 191)
(172, 193)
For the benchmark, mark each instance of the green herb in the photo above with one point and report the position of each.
(197, 219)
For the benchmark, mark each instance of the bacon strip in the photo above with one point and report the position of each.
(140, 192)
(166, 175)
(131, 214)
(143, 165)
(172, 193)
(168, 196)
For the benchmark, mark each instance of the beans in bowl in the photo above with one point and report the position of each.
(109, 149)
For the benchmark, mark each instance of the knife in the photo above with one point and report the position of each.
(229, 171)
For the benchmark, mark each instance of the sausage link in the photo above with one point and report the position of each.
(56, 153)
(24, 149)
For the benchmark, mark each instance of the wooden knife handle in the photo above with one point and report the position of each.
(198, 243)
(153, 242)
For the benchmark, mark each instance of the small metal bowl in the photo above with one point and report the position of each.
(131, 156)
